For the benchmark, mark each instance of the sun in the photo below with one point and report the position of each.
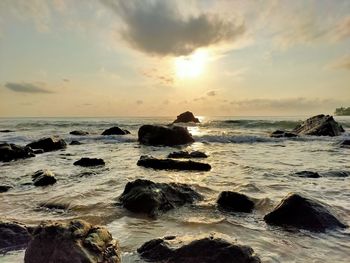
(192, 66)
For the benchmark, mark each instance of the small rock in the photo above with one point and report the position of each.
(9, 152)
(186, 117)
(87, 162)
(49, 144)
(115, 131)
(282, 134)
(235, 202)
(43, 178)
(79, 133)
(308, 174)
(5, 188)
(6, 131)
(75, 143)
(187, 155)
(13, 236)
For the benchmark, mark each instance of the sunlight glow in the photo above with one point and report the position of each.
(192, 66)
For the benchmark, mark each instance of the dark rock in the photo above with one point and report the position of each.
(308, 174)
(187, 155)
(76, 241)
(4, 188)
(336, 174)
(204, 250)
(48, 144)
(79, 133)
(319, 125)
(87, 162)
(75, 143)
(282, 134)
(54, 206)
(9, 152)
(186, 117)
(167, 136)
(345, 144)
(147, 197)
(43, 178)
(302, 213)
(13, 236)
(38, 151)
(6, 131)
(115, 131)
(169, 164)
(235, 202)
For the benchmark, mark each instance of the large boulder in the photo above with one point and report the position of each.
(319, 125)
(79, 133)
(235, 202)
(302, 213)
(169, 164)
(13, 236)
(88, 162)
(282, 134)
(115, 131)
(49, 144)
(9, 152)
(204, 250)
(161, 135)
(147, 197)
(186, 117)
(43, 178)
(76, 241)
(187, 155)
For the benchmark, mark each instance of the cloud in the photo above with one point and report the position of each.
(341, 63)
(160, 77)
(159, 28)
(212, 93)
(342, 29)
(26, 88)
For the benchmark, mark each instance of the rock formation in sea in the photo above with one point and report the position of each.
(187, 155)
(79, 133)
(235, 202)
(186, 117)
(48, 144)
(13, 235)
(115, 131)
(9, 152)
(43, 178)
(87, 162)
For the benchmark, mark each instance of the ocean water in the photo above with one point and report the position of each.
(243, 158)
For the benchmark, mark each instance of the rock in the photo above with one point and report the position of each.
(282, 134)
(169, 164)
(308, 174)
(204, 250)
(75, 241)
(115, 131)
(79, 133)
(38, 151)
(75, 143)
(6, 131)
(87, 162)
(48, 144)
(302, 213)
(43, 178)
(4, 188)
(13, 236)
(187, 155)
(186, 117)
(235, 202)
(147, 197)
(336, 174)
(161, 135)
(9, 152)
(345, 144)
(319, 125)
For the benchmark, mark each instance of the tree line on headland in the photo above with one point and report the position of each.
(342, 111)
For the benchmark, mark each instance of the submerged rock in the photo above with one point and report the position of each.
(336, 174)
(79, 133)
(43, 178)
(204, 250)
(186, 117)
(9, 152)
(187, 155)
(76, 241)
(115, 131)
(147, 197)
(4, 188)
(308, 174)
(161, 135)
(49, 144)
(13, 236)
(282, 134)
(345, 144)
(319, 125)
(169, 164)
(75, 143)
(302, 213)
(6, 131)
(235, 202)
(87, 162)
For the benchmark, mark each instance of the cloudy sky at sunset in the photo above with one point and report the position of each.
(147, 58)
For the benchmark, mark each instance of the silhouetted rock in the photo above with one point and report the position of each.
(79, 133)
(187, 155)
(345, 144)
(4, 188)
(38, 151)
(147, 197)
(204, 250)
(9, 152)
(169, 164)
(115, 131)
(43, 178)
(186, 117)
(90, 162)
(166, 136)
(48, 144)
(308, 174)
(76, 241)
(302, 213)
(6, 131)
(282, 134)
(13, 236)
(75, 143)
(235, 202)
(319, 125)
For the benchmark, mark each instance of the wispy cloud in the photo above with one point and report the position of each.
(212, 93)
(340, 63)
(26, 88)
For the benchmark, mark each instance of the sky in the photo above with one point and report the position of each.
(161, 57)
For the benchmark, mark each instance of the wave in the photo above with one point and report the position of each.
(255, 124)
(233, 139)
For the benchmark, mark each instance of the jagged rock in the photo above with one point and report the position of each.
(13, 236)
(319, 125)
(308, 174)
(147, 197)
(4, 188)
(115, 131)
(79, 133)
(282, 134)
(186, 117)
(235, 202)
(87, 162)
(43, 178)
(48, 144)
(302, 213)
(76, 241)
(187, 155)
(166, 136)
(169, 164)
(75, 143)
(9, 152)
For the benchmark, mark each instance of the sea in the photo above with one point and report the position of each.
(243, 158)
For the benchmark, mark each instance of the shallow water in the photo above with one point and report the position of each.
(243, 159)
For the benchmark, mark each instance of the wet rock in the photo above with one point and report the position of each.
(13, 236)
(48, 144)
(54, 206)
(187, 155)
(169, 164)
(147, 197)
(166, 136)
(345, 144)
(5, 188)
(6, 131)
(235, 202)
(115, 131)
(88, 162)
(186, 117)
(336, 174)
(38, 151)
(308, 174)
(75, 143)
(43, 178)
(79, 133)
(319, 125)
(302, 213)
(282, 134)
(204, 250)
(75, 241)
(9, 152)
